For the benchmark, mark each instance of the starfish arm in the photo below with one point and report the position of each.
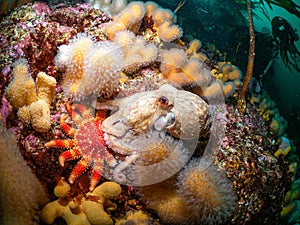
(106, 155)
(100, 117)
(96, 175)
(71, 154)
(61, 143)
(69, 108)
(79, 169)
(66, 128)
(84, 111)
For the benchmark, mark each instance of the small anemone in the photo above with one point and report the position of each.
(206, 192)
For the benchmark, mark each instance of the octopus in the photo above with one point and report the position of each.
(147, 137)
(154, 124)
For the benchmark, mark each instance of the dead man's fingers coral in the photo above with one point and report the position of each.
(194, 46)
(95, 213)
(70, 60)
(161, 15)
(151, 7)
(89, 68)
(32, 99)
(45, 87)
(85, 210)
(21, 90)
(40, 116)
(168, 32)
(108, 190)
(129, 18)
(138, 55)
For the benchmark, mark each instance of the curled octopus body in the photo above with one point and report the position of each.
(156, 131)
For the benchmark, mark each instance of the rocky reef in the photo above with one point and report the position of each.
(120, 121)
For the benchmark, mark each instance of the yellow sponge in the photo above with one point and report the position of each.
(82, 210)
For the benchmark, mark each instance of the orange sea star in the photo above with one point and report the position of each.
(87, 143)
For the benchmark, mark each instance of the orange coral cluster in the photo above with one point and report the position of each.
(229, 76)
(137, 52)
(178, 68)
(130, 18)
(188, 68)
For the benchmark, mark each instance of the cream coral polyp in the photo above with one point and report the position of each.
(89, 68)
(31, 99)
(21, 90)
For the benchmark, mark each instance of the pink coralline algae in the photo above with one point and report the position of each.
(30, 142)
(246, 154)
(42, 9)
(82, 17)
(35, 31)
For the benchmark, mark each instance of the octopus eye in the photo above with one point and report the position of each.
(163, 101)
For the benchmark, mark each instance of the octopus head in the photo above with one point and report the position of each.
(180, 113)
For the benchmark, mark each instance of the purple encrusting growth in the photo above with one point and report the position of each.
(5, 110)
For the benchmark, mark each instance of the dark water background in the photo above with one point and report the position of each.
(284, 85)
